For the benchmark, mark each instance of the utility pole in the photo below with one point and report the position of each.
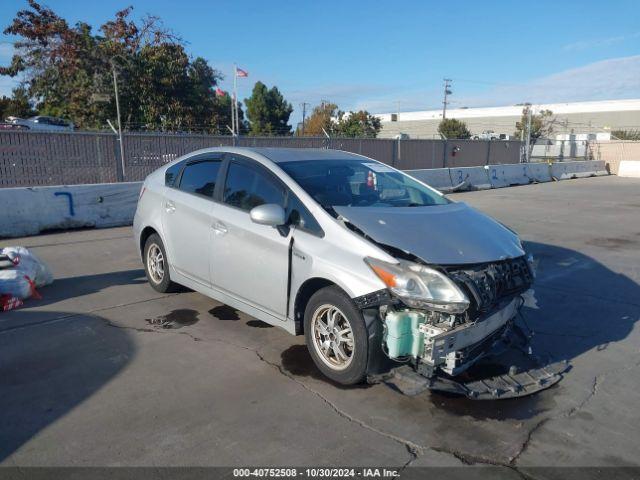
(528, 138)
(115, 87)
(304, 114)
(447, 92)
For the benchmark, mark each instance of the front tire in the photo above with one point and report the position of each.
(156, 265)
(336, 336)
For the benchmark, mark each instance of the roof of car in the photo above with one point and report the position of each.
(281, 155)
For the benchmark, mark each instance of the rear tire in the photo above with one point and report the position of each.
(156, 265)
(336, 336)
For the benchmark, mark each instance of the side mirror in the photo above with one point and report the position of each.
(268, 214)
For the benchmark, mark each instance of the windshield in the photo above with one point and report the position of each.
(359, 183)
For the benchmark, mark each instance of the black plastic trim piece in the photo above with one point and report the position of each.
(289, 273)
(373, 299)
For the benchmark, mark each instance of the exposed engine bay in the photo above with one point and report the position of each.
(450, 341)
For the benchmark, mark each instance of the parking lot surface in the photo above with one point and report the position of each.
(103, 370)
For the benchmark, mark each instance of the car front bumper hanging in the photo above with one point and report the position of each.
(510, 372)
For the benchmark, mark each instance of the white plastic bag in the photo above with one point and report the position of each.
(28, 273)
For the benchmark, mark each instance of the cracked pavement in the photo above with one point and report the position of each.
(105, 371)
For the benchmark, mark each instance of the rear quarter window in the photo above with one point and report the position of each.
(200, 177)
(171, 174)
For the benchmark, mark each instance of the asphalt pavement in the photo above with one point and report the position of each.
(103, 370)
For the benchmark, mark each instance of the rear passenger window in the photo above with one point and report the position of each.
(200, 177)
(171, 174)
(247, 187)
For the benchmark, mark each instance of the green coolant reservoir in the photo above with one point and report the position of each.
(402, 336)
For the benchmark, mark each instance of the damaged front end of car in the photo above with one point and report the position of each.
(437, 322)
(451, 302)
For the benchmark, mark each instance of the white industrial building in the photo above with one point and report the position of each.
(569, 118)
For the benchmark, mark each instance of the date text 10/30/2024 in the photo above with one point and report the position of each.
(315, 472)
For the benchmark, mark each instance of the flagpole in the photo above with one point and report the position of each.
(235, 99)
(233, 118)
(233, 94)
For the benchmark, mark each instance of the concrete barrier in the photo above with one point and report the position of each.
(600, 167)
(579, 169)
(437, 178)
(29, 211)
(472, 178)
(629, 168)
(507, 175)
(498, 176)
(539, 172)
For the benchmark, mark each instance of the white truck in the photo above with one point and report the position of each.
(491, 135)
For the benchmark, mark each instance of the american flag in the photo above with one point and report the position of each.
(241, 73)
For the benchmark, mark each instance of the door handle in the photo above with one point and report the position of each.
(219, 228)
(169, 206)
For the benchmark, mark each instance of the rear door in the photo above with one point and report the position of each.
(250, 262)
(187, 215)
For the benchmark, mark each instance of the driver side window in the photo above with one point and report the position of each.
(247, 187)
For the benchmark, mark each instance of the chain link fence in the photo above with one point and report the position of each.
(612, 152)
(561, 150)
(46, 158)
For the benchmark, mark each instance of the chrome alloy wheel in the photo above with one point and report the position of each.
(155, 263)
(332, 337)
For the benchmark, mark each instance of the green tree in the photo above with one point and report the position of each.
(541, 124)
(164, 88)
(69, 69)
(360, 124)
(268, 111)
(4, 107)
(454, 128)
(18, 105)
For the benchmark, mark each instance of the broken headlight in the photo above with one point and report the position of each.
(419, 286)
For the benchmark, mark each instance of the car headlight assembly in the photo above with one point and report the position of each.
(533, 263)
(419, 286)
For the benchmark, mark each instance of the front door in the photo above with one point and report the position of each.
(250, 262)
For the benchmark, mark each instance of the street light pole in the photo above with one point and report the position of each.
(115, 87)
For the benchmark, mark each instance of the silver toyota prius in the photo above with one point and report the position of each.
(378, 270)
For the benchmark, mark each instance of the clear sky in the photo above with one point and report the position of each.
(373, 54)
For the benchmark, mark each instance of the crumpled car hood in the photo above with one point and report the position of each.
(451, 234)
